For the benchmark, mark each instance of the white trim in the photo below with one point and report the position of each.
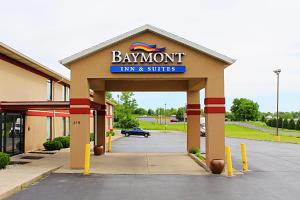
(114, 40)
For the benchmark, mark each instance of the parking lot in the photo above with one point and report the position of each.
(275, 174)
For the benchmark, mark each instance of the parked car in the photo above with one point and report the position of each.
(174, 120)
(202, 130)
(135, 131)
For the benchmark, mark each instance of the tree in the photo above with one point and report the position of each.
(285, 123)
(124, 110)
(127, 122)
(298, 125)
(128, 102)
(159, 111)
(228, 116)
(244, 109)
(291, 124)
(273, 122)
(268, 122)
(150, 112)
(180, 113)
(108, 96)
(171, 111)
(263, 118)
(140, 111)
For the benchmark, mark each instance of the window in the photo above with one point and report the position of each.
(67, 93)
(49, 90)
(67, 126)
(49, 128)
(64, 125)
(64, 94)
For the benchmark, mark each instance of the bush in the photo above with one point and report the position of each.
(199, 155)
(285, 123)
(110, 133)
(291, 124)
(4, 160)
(92, 137)
(273, 122)
(263, 118)
(195, 150)
(268, 122)
(53, 145)
(298, 125)
(127, 122)
(65, 141)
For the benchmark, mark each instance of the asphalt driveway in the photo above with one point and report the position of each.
(275, 175)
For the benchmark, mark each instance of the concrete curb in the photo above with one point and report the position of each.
(24, 185)
(199, 162)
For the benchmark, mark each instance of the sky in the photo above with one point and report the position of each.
(261, 35)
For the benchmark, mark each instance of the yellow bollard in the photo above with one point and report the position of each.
(109, 143)
(87, 159)
(228, 161)
(244, 157)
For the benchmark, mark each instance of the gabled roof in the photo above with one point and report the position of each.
(139, 30)
(18, 57)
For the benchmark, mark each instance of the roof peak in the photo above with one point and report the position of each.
(141, 29)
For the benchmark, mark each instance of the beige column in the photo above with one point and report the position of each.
(215, 118)
(79, 120)
(193, 120)
(99, 98)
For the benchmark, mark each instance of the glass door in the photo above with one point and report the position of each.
(1, 131)
(14, 133)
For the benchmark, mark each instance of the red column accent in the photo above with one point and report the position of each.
(214, 105)
(214, 110)
(193, 109)
(214, 100)
(78, 102)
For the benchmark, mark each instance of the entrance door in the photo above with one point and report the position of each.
(12, 133)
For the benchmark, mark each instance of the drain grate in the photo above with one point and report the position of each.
(18, 162)
(32, 157)
(42, 152)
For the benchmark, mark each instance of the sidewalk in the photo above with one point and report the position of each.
(141, 163)
(17, 177)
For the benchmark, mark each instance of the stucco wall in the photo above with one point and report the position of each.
(58, 127)
(35, 132)
(18, 84)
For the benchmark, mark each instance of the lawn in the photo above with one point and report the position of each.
(231, 130)
(262, 124)
(236, 131)
(156, 126)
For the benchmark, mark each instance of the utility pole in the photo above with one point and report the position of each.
(277, 72)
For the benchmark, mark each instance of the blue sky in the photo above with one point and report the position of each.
(261, 35)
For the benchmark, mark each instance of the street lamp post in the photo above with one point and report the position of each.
(165, 117)
(277, 72)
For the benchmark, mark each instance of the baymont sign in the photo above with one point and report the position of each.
(146, 55)
(141, 57)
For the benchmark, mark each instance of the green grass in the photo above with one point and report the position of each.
(231, 130)
(262, 124)
(156, 126)
(236, 131)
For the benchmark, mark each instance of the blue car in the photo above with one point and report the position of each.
(135, 131)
